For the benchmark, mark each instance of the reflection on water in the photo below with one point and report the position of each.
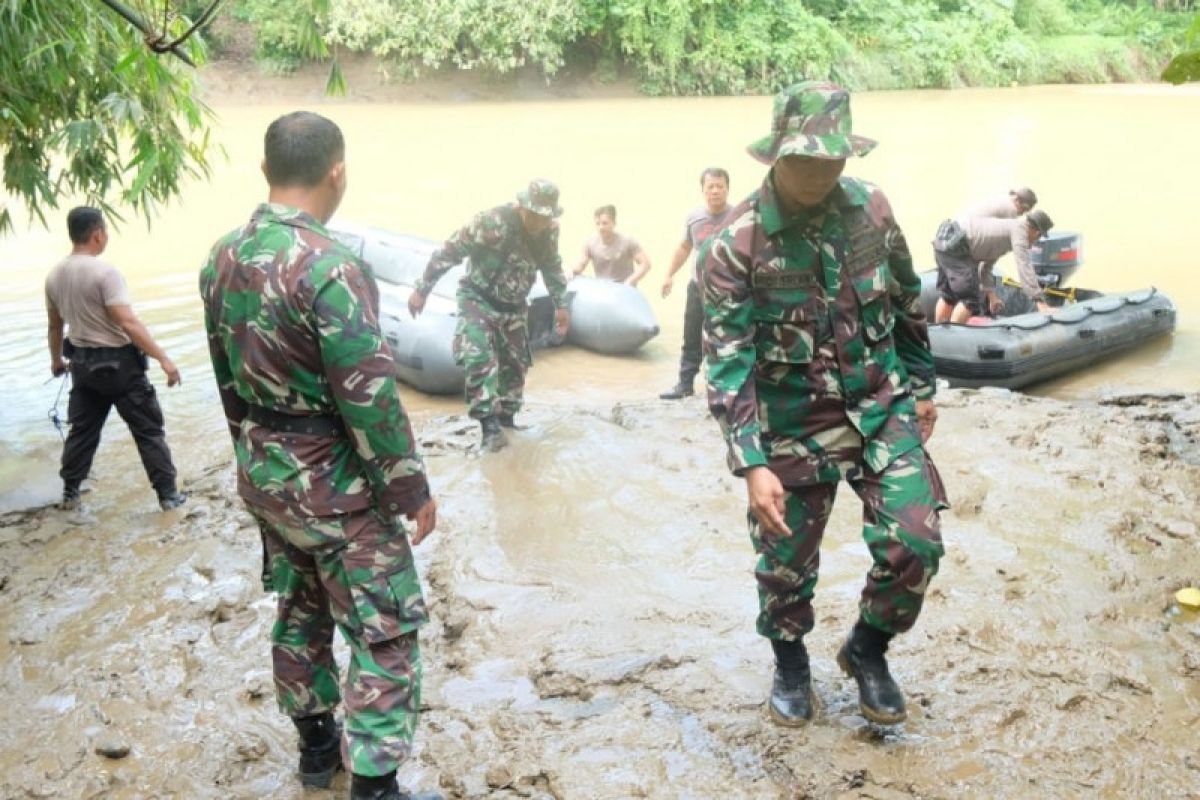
(425, 169)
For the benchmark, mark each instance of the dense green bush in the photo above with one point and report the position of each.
(737, 46)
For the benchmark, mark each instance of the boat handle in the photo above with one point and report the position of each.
(991, 352)
(1161, 312)
(1087, 333)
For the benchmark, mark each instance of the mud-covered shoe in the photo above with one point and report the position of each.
(384, 787)
(678, 392)
(173, 500)
(70, 500)
(792, 702)
(862, 658)
(493, 437)
(509, 421)
(320, 749)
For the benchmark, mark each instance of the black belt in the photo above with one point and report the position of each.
(499, 305)
(311, 424)
(79, 353)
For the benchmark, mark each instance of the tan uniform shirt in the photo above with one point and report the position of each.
(1001, 208)
(80, 288)
(990, 239)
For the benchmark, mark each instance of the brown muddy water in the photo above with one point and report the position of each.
(591, 586)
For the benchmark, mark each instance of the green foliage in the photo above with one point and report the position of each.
(1043, 17)
(732, 47)
(495, 35)
(86, 109)
(736, 46)
(1185, 67)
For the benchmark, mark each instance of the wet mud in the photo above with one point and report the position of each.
(592, 629)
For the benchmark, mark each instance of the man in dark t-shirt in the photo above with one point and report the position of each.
(702, 223)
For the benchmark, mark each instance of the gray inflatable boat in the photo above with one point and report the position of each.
(606, 317)
(1025, 347)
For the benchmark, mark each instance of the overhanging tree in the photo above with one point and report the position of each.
(87, 109)
(1186, 66)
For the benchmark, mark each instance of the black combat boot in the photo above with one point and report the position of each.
(384, 787)
(792, 701)
(862, 658)
(508, 420)
(493, 437)
(678, 391)
(320, 749)
(172, 500)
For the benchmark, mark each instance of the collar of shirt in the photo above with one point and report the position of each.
(775, 219)
(286, 215)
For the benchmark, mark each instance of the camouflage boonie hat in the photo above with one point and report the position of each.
(541, 198)
(811, 119)
(1040, 220)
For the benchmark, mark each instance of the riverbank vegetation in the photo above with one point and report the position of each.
(685, 47)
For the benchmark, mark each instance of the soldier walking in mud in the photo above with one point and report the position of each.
(326, 462)
(507, 246)
(820, 371)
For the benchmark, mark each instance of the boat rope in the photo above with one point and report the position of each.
(55, 419)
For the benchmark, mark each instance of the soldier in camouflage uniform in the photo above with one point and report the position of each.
(820, 371)
(326, 461)
(507, 247)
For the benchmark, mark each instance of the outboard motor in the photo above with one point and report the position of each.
(1056, 257)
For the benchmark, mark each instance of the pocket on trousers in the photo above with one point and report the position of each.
(389, 606)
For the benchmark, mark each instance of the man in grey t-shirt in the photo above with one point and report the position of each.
(614, 256)
(107, 349)
(702, 223)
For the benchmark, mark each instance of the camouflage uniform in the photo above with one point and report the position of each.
(292, 322)
(490, 339)
(817, 350)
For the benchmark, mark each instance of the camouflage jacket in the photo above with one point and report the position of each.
(292, 318)
(814, 329)
(504, 261)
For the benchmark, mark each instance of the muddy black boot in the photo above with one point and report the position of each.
(862, 658)
(678, 391)
(384, 787)
(509, 421)
(493, 437)
(320, 749)
(792, 701)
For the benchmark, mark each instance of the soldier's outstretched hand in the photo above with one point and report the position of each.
(416, 303)
(426, 519)
(562, 321)
(926, 418)
(766, 500)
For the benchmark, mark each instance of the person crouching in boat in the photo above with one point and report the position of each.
(966, 254)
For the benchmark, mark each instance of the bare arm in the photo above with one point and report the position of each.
(54, 337)
(677, 260)
(643, 266)
(582, 263)
(123, 317)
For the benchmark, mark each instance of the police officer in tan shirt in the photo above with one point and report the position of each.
(106, 346)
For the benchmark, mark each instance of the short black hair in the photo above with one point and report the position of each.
(610, 210)
(714, 172)
(82, 221)
(301, 148)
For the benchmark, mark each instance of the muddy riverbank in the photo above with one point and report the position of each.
(592, 632)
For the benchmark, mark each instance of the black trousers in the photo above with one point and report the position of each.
(693, 336)
(99, 382)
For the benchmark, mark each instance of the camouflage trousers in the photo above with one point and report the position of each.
(901, 529)
(354, 571)
(492, 346)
